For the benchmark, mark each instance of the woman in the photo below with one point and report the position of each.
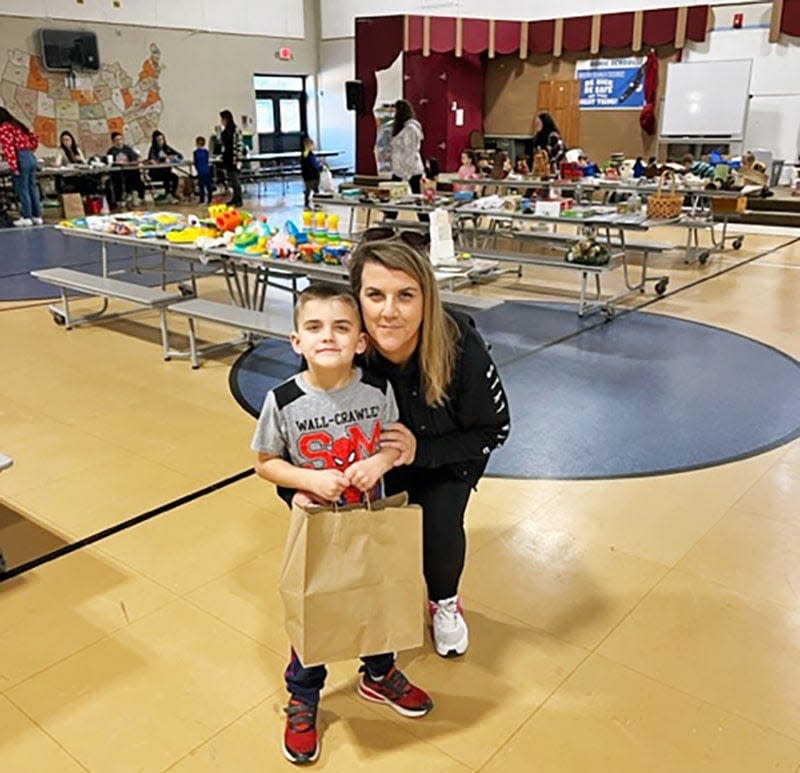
(69, 154)
(18, 144)
(548, 138)
(452, 408)
(231, 142)
(406, 142)
(160, 153)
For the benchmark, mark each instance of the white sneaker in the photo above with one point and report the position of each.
(23, 222)
(38, 220)
(450, 634)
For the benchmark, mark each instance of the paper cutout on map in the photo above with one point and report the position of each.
(91, 106)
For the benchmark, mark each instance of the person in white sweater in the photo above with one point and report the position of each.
(406, 141)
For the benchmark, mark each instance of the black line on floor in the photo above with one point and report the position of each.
(116, 528)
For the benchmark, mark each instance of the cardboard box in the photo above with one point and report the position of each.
(728, 206)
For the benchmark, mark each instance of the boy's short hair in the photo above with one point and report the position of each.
(199, 140)
(308, 142)
(114, 135)
(326, 292)
(688, 158)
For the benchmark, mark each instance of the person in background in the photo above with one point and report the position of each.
(231, 139)
(310, 170)
(202, 165)
(432, 169)
(69, 154)
(501, 165)
(521, 166)
(18, 144)
(406, 143)
(161, 153)
(124, 181)
(548, 138)
(467, 171)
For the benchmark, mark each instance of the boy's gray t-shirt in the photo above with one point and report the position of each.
(325, 430)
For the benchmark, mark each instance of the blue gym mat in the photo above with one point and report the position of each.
(26, 249)
(643, 395)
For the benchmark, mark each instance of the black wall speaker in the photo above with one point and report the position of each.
(354, 91)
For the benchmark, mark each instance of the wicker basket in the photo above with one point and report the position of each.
(663, 205)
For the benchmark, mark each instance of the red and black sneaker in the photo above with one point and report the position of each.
(395, 691)
(300, 744)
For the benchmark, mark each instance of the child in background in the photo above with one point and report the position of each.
(467, 171)
(202, 164)
(522, 166)
(432, 170)
(310, 170)
(327, 332)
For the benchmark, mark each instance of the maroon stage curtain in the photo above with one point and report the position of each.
(658, 27)
(443, 34)
(475, 35)
(616, 30)
(379, 41)
(697, 23)
(506, 37)
(790, 18)
(540, 36)
(577, 33)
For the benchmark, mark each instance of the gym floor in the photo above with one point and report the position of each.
(619, 624)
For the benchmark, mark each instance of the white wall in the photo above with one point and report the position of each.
(275, 18)
(202, 72)
(773, 121)
(338, 16)
(337, 125)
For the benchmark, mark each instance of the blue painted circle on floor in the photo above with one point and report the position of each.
(646, 394)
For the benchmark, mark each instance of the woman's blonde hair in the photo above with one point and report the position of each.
(438, 333)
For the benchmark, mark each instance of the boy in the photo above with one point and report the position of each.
(326, 421)
(129, 180)
(310, 169)
(203, 167)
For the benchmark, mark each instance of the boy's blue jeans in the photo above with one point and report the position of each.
(306, 683)
(204, 184)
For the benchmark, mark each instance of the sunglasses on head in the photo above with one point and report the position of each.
(419, 240)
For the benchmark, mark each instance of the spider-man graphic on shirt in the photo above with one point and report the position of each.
(340, 453)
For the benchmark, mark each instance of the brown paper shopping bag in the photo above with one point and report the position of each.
(72, 204)
(352, 580)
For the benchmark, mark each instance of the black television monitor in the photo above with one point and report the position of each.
(67, 50)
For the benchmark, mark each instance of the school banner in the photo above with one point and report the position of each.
(611, 84)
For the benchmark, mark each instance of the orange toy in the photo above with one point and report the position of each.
(228, 221)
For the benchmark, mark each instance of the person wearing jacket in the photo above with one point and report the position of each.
(124, 181)
(231, 155)
(406, 143)
(18, 144)
(161, 153)
(548, 138)
(452, 406)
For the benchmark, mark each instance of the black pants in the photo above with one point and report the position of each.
(232, 176)
(443, 498)
(125, 182)
(415, 183)
(166, 176)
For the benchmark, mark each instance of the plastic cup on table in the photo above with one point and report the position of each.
(109, 159)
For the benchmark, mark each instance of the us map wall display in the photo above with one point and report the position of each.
(611, 84)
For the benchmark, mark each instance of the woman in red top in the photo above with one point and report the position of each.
(18, 142)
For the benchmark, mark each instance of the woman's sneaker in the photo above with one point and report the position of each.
(37, 220)
(300, 742)
(22, 222)
(396, 691)
(450, 634)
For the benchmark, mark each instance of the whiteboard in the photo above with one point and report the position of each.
(706, 99)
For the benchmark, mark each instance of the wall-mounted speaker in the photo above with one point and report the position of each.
(354, 92)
